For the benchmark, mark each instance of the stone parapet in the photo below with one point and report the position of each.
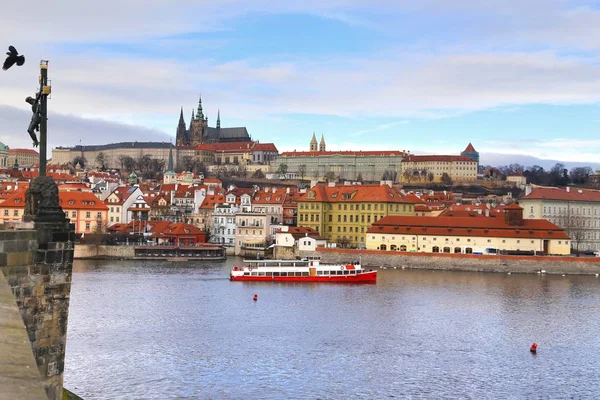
(19, 376)
(37, 265)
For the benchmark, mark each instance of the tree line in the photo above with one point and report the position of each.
(558, 175)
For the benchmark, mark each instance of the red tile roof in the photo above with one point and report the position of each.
(436, 158)
(233, 147)
(344, 153)
(322, 192)
(457, 226)
(552, 193)
(268, 197)
(210, 201)
(264, 147)
(470, 149)
(67, 200)
(30, 151)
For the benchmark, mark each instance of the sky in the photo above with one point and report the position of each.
(519, 80)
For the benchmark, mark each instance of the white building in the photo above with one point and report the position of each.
(577, 211)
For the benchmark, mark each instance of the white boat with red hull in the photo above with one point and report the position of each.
(301, 271)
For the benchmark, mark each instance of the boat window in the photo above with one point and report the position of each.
(254, 273)
(246, 273)
(275, 273)
(305, 274)
(269, 274)
(346, 272)
(261, 273)
(284, 274)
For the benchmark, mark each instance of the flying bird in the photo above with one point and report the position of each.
(13, 57)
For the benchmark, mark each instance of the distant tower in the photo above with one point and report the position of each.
(322, 144)
(471, 153)
(169, 176)
(198, 126)
(219, 119)
(181, 136)
(313, 143)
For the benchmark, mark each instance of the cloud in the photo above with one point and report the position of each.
(137, 66)
(67, 130)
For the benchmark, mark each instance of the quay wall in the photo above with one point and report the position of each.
(103, 252)
(462, 262)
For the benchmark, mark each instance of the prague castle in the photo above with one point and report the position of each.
(200, 133)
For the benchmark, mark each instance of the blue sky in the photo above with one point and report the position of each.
(429, 77)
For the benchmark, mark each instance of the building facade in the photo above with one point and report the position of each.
(25, 158)
(344, 213)
(577, 211)
(465, 235)
(432, 168)
(343, 165)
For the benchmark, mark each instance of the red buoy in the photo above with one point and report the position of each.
(255, 297)
(533, 348)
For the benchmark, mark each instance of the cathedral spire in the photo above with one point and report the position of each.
(219, 119)
(322, 144)
(313, 143)
(170, 163)
(181, 136)
(199, 113)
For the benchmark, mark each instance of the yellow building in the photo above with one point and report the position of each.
(343, 214)
(507, 233)
(24, 157)
(432, 168)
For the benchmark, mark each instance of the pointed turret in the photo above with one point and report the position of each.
(170, 163)
(199, 113)
(313, 143)
(322, 144)
(181, 135)
(218, 119)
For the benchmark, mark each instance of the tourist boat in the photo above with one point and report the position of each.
(304, 270)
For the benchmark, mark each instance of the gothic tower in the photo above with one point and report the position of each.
(313, 143)
(198, 125)
(219, 119)
(181, 136)
(322, 144)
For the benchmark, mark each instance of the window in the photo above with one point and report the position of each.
(87, 226)
(6, 213)
(88, 214)
(16, 213)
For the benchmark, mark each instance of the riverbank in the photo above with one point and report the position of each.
(131, 252)
(462, 262)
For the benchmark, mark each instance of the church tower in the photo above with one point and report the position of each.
(313, 143)
(181, 136)
(219, 119)
(322, 144)
(198, 125)
(169, 175)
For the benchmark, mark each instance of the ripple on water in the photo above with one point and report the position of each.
(162, 331)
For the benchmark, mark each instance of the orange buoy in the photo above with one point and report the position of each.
(533, 348)
(255, 297)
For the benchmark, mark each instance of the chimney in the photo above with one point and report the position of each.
(568, 189)
(274, 189)
(487, 212)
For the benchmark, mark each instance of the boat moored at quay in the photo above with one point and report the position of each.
(302, 271)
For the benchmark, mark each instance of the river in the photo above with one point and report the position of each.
(168, 330)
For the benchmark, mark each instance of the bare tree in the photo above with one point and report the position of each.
(446, 180)
(343, 242)
(430, 177)
(407, 174)
(128, 163)
(302, 171)
(258, 174)
(282, 170)
(102, 160)
(329, 176)
(359, 178)
(81, 160)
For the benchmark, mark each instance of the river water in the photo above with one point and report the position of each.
(167, 330)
